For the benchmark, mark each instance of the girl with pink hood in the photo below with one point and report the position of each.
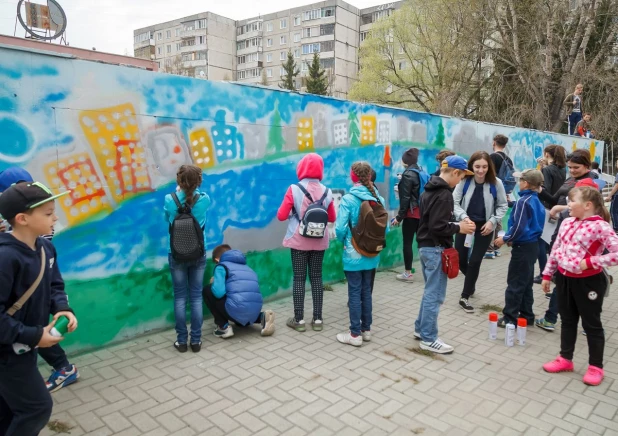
(307, 251)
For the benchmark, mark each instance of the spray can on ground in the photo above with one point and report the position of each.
(522, 325)
(61, 327)
(493, 326)
(509, 337)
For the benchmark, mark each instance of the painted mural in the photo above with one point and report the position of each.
(115, 136)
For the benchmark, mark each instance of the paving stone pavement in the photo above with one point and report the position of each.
(309, 384)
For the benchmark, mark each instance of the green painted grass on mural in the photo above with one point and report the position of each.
(123, 306)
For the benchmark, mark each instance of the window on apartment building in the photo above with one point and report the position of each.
(281, 72)
(186, 57)
(201, 39)
(240, 30)
(283, 24)
(177, 32)
(269, 72)
(283, 40)
(380, 15)
(269, 57)
(168, 62)
(363, 36)
(304, 66)
(313, 14)
(327, 29)
(241, 74)
(296, 53)
(158, 50)
(269, 27)
(327, 46)
(188, 42)
(256, 42)
(328, 12)
(200, 24)
(241, 59)
(282, 56)
(189, 26)
(177, 46)
(297, 20)
(201, 55)
(400, 49)
(297, 37)
(311, 48)
(168, 34)
(402, 65)
(159, 36)
(309, 32)
(366, 19)
(168, 49)
(240, 45)
(327, 63)
(269, 42)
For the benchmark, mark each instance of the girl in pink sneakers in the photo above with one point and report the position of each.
(577, 259)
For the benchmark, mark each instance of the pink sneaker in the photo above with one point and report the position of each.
(559, 365)
(594, 376)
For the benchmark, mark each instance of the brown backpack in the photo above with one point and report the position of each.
(369, 234)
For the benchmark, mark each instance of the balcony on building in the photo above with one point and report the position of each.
(196, 63)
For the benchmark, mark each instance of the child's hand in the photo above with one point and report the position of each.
(583, 265)
(47, 340)
(212, 280)
(72, 320)
(499, 242)
(487, 228)
(467, 227)
(545, 286)
(2, 227)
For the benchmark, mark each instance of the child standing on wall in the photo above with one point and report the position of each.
(577, 260)
(308, 206)
(64, 373)
(234, 294)
(525, 228)
(435, 234)
(359, 268)
(185, 213)
(31, 288)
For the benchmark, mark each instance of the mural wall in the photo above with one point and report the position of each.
(115, 136)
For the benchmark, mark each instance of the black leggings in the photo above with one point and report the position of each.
(301, 260)
(408, 228)
(471, 267)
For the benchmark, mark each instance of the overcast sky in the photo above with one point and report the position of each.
(108, 24)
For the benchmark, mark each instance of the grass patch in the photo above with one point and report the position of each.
(434, 356)
(412, 379)
(491, 308)
(328, 288)
(418, 430)
(59, 427)
(396, 357)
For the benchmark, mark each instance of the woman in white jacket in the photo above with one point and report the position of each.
(481, 199)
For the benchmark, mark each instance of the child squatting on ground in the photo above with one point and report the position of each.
(435, 234)
(234, 294)
(26, 258)
(577, 260)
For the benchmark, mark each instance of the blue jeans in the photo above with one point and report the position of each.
(188, 278)
(435, 291)
(359, 297)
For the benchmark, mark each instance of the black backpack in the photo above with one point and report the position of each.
(186, 235)
(506, 173)
(314, 222)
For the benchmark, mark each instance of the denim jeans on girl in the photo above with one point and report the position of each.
(187, 280)
(435, 291)
(359, 297)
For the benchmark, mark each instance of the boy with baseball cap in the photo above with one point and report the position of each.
(31, 288)
(525, 228)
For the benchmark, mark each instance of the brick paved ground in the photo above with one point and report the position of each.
(308, 384)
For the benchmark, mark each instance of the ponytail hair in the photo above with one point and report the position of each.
(557, 153)
(189, 178)
(594, 196)
(363, 171)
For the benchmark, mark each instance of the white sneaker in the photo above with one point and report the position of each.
(417, 336)
(268, 323)
(366, 336)
(347, 338)
(224, 334)
(405, 277)
(437, 347)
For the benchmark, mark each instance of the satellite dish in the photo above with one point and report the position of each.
(202, 74)
(42, 22)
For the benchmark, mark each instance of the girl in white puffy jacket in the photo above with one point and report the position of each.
(578, 259)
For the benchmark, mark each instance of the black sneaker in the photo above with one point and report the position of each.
(180, 347)
(196, 348)
(538, 280)
(463, 303)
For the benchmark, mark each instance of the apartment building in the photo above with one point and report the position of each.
(259, 45)
(201, 46)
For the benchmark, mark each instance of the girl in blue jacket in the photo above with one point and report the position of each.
(358, 268)
(188, 277)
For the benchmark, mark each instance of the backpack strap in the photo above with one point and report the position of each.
(176, 200)
(466, 186)
(24, 298)
(179, 205)
(321, 201)
(304, 191)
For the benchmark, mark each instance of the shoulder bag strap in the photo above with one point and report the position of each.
(24, 298)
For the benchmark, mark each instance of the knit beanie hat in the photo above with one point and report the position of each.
(410, 157)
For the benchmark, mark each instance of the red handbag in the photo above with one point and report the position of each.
(450, 262)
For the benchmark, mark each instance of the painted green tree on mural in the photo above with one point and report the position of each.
(275, 134)
(439, 139)
(353, 129)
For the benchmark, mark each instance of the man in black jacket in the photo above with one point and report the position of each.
(409, 214)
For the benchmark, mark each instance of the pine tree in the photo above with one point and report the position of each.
(317, 82)
(291, 71)
(353, 129)
(275, 134)
(439, 139)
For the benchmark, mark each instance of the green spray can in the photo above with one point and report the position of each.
(61, 327)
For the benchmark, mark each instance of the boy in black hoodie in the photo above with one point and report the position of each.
(435, 233)
(25, 403)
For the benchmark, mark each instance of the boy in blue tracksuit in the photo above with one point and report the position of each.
(234, 294)
(525, 228)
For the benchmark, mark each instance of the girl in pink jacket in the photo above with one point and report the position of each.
(577, 259)
(307, 252)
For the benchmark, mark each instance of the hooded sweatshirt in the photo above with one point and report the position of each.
(435, 228)
(19, 268)
(310, 171)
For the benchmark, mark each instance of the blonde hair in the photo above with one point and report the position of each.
(592, 195)
(362, 170)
